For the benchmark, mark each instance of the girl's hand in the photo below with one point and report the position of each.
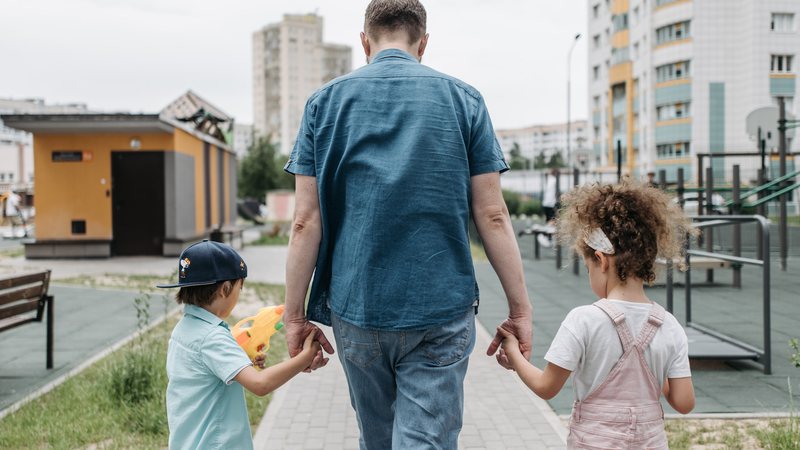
(509, 347)
(311, 348)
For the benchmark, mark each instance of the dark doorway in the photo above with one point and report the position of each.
(137, 187)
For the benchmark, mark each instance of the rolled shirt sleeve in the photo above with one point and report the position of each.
(485, 154)
(301, 160)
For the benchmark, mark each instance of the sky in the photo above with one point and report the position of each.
(139, 55)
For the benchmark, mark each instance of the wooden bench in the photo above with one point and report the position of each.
(23, 299)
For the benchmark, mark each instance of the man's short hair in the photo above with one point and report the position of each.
(390, 16)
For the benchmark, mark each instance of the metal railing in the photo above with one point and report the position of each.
(763, 355)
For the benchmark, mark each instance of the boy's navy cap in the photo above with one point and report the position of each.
(208, 262)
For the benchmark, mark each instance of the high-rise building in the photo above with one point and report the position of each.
(671, 79)
(290, 62)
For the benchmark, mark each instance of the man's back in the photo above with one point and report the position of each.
(393, 146)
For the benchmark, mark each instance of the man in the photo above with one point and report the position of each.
(549, 206)
(390, 161)
(13, 211)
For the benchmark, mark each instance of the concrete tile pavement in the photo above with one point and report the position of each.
(313, 411)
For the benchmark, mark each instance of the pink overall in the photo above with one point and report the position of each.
(624, 412)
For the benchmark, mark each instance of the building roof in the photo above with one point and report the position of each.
(189, 112)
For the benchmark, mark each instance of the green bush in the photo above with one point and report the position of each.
(531, 207)
(513, 201)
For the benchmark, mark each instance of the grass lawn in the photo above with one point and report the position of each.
(118, 403)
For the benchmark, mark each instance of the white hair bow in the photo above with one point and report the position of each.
(598, 240)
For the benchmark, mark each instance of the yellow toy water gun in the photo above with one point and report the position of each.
(254, 339)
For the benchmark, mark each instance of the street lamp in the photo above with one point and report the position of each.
(569, 61)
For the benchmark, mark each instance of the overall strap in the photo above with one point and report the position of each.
(621, 326)
(654, 321)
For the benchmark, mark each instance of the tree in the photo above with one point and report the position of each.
(517, 162)
(261, 170)
(540, 162)
(556, 161)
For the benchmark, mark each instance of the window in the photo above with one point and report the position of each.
(781, 63)
(619, 55)
(596, 102)
(596, 11)
(619, 22)
(596, 72)
(673, 71)
(676, 150)
(596, 41)
(674, 32)
(782, 22)
(663, 2)
(673, 111)
(635, 50)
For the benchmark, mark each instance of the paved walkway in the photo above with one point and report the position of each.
(313, 410)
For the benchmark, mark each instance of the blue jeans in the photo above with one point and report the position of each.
(407, 387)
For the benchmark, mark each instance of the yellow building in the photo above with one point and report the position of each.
(130, 184)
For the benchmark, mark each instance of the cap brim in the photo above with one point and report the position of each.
(199, 283)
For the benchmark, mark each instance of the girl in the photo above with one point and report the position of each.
(624, 349)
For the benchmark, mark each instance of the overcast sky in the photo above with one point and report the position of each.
(138, 55)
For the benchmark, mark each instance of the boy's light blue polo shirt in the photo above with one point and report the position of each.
(393, 146)
(205, 408)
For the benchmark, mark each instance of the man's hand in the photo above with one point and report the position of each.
(296, 333)
(520, 327)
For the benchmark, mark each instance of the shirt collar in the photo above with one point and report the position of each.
(392, 53)
(205, 315)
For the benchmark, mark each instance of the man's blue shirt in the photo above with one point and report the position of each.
(393, 146)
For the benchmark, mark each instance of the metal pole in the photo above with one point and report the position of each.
(762, 146)
(619, 160)
(764, 225)
(782, 200)
(569, 73)
(700, 183)
(575, 175)
(662, 179)
(680, 186)
(737, 229)
(558, 195)
(762, 175)
(709, 241)
(688, 283)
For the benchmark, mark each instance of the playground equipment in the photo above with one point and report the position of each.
(704, 342)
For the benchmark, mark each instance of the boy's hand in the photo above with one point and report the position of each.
(297, 330)
(260, 361)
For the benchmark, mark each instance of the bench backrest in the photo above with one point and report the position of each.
(20, 294)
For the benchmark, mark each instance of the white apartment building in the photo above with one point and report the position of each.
(545, 140)
(16, 147)
(671, 79)
(242, 139)
(290, 62)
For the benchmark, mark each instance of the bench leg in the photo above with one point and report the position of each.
(50, 332)
(536, 246)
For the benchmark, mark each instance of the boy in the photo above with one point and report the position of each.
(205, 408)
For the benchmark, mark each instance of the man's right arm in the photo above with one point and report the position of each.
(494, 227)
(300, 262)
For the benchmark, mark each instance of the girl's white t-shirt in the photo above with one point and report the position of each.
(588, 345)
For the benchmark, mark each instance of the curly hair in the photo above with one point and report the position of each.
(642, 223)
